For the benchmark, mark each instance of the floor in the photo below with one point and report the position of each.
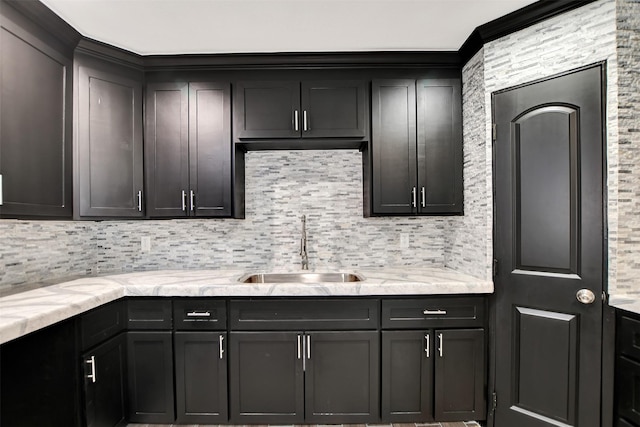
(456, 424)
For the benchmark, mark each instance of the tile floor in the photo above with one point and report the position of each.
(456, 424)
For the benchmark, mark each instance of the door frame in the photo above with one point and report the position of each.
(608, 314)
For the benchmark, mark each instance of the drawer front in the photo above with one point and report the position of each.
(149, 314)
(102, 323)
(291, 314)
(437, 312)
(199, 314)
(627, 396)
(629, 336)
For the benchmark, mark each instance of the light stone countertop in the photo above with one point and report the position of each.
(625, 302)
(25, 312)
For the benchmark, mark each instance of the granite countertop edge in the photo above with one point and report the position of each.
(25, 312)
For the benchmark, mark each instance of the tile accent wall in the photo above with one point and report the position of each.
(627, 262)
(577, 38)
(468, 247)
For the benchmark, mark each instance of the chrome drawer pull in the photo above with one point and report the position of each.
(431, 312)
(220, 340)
(199, 314)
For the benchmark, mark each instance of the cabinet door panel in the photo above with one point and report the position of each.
(439, 146)
(109, 142)
(201, 377)
(393, 144)
(460, 382)
(407, 376)
(266, 378)
(210, 148)
(342, 377)
(334, 109)
(35, 126)
(167, 149)
(105, 398)
(150, 377)
(628, 389)
(267, 109)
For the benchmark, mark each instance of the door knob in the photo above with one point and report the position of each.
(585, 296)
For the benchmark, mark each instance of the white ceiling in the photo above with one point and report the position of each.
(150, 27)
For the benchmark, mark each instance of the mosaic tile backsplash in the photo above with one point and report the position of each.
(281, 186)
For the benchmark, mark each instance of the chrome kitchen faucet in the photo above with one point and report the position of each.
(303, 244)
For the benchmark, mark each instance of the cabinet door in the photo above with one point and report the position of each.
(460, 381)
(266, 378)
(104, 383)
(109, 146)
(150, 375)
(268, 109)
(35, 123)
(407, 376)
(342, 377)
(393, 146)
(439, 146)
(334, 108)
(167, 149)
(626, 389)
(210, 149)
(201, 377)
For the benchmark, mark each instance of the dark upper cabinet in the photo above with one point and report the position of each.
(342, 382)
(307, 109)
(188, 149)
(416, 147)
(105, 383)
(35, 121)
(109, 174)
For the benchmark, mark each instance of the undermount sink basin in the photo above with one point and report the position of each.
(301, 278)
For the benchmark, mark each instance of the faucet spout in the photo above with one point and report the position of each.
(303, 244)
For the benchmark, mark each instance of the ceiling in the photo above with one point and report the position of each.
(152, 27)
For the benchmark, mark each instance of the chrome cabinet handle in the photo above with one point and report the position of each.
(220, 340)
(192, 199)
(423, 198)
(299, 347)
(433, 312)
(296, 120)
(140, 201)
(199, 314)
(427, 348)
(92, 376)
(585, 296)
(184, 201)
(0, 189)
(308, 347)
(440, 347)
(413, 197)
(305, 123)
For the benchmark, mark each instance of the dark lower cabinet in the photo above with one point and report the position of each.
(460, 379)
(407, 376)
(201, 377)
(266, 372)
(342, 377)
(150, 377)
(105, 383)
(627, 370)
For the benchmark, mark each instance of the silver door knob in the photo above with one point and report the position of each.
(585, 296)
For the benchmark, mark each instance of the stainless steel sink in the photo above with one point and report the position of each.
(300, 278)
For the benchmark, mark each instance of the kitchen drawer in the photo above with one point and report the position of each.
(292, 314)
(149, 313)
(627, 381)
(101, 323)
(436, 312)
(629, 336)
(199, 314)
